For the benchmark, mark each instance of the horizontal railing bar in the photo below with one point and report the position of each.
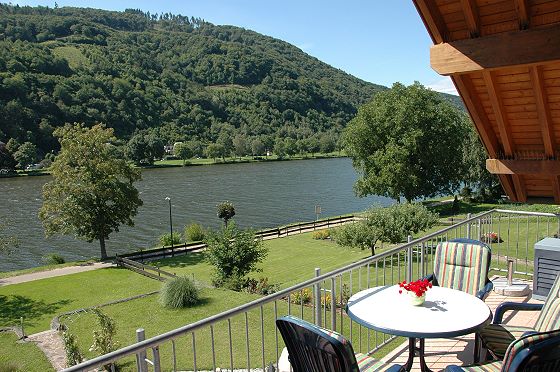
(527, 213)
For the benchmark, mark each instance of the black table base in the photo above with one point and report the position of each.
(412, 350)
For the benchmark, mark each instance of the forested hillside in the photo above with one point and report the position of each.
(171, 77)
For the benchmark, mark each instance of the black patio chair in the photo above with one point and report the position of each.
(315, 349)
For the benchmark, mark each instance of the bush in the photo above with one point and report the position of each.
(179, 293)
(234, 253)
(53, 259)
(73, 354)
(194, 232)
(225, 211)
(261, 286)
(104, 338)
(165, 239)
(302, 296)
(322, 234)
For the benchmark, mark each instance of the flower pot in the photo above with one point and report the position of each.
(415, 300)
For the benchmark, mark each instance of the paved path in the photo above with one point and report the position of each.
(55, 272)
(51, 344)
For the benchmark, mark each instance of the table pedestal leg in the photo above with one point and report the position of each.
(412, 349)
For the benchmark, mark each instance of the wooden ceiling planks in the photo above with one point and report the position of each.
(504, 58)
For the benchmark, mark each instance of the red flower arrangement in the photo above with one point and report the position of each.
(419, 287)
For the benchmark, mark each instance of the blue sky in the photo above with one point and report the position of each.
(379, 41)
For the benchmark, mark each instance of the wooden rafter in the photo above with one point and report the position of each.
(524, 167)
(476, 110)
(499, 112)
(521, 7)
(471, 17)
(556, 189)
(543, 110)
(508, 49)
(520, 190)
(508, 187)
(433, 20)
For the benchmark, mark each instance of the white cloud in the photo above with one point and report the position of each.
(444, 85)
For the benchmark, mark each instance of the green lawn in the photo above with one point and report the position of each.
(11, 353)
(246, 159)
(39, 301)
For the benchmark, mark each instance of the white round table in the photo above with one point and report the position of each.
(445, 313)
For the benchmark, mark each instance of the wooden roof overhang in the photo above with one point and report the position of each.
(504, 58)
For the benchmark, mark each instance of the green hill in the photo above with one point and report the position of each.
(181, 78)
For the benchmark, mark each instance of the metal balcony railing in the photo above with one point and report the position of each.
(246, 336)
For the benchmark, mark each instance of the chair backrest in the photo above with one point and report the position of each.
(462, 264)
(315, 349)
(537, 352)
(549, 318)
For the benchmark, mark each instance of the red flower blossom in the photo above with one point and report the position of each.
(419, 287)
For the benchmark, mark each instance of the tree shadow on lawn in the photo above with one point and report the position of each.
(13, 307)
(189, 259)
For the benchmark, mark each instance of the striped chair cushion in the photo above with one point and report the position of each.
(549, 317)
(524, 342)
(368, 364)
(462, 266)
(495, 366)
(497, 337)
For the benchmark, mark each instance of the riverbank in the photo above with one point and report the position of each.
(199, 161)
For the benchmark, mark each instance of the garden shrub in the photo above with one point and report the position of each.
(234, 253)
(73, 353)
(104, 338)
(53, 259)
(165, 239)
(322, 234)
(194, 232)
(179, 292)
(305, 296)
(261, 286)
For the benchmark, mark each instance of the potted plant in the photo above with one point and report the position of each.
(416, 290)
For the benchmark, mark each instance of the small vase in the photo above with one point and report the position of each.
(415, 300)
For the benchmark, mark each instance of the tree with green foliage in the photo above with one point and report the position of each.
(144, 149)
(240, 145)
(214, 151)
(392, 225)
(234, 253)
(279, 148)
(7, 161)
(257, 147)
(225, 211)
(92, 191)
(183, 151)
(25, 155)
(406, 143)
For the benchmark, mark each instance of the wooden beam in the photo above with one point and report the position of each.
(507, 185)
(543, 110)
(521, 7)
(524, 167)
(556, 189)
(516, 48)
(464, 86)
(471, 17)
(499, 113)
(519, 188)
(432, 19)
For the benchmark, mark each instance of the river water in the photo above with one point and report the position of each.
(265, 194)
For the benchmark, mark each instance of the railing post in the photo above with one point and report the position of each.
(318, 299)
(409, 261)
(141, 364)
(468, 226)
(333, 304)
(479, 226)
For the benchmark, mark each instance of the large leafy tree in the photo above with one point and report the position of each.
(26, 155)
(92, 192)
(407, 143)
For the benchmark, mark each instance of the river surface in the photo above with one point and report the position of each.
(265, 194)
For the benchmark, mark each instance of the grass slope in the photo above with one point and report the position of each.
(21, 357)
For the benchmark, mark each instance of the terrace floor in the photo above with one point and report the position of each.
(459, 350)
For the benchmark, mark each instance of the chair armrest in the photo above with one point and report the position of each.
(483, 293)
(395, 368)
(453, 368)
(429, 277)
(507, 306)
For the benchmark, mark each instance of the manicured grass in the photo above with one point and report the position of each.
(290, 260)
(39, 301)
(246, 159)
(11, 353)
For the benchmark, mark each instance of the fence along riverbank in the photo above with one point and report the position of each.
(278, 232)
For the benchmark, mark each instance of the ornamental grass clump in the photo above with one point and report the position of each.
(179, 293)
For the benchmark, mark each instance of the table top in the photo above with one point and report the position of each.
(445, 313)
